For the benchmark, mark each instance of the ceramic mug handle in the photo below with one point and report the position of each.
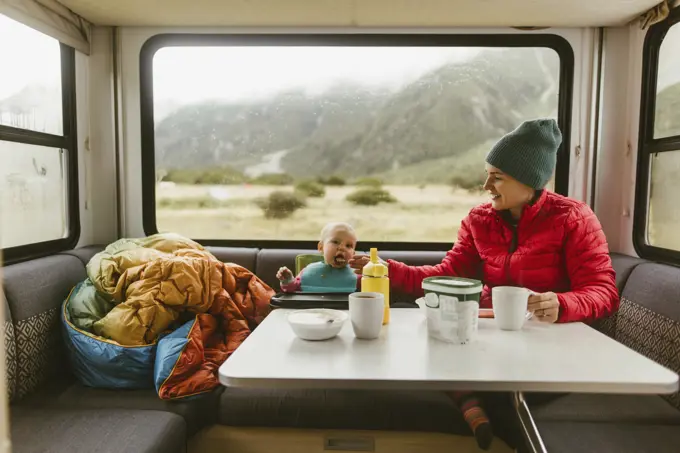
(530, 314)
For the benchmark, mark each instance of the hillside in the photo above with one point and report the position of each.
(469, 165)
(35, 107)
(352, 131)
(667, 122)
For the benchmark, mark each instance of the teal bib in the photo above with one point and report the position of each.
(323, 278)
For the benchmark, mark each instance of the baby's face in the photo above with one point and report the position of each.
(338, 248)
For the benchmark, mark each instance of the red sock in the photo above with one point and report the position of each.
(475, 416)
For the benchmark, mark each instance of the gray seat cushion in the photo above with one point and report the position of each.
(414, 258)
(606, 408)
(197, 413)
(341, 409)
(623, 266)
(86, 253)
(575, 437)
(245, 257)
(656, 287)
(101, 431)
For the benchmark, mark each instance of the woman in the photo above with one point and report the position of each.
(526, 236)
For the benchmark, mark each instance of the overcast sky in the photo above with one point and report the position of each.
(27, 57)
(188, 74)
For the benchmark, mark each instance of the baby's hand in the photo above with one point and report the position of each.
(284, 274)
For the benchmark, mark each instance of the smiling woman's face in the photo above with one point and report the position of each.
(506, 192)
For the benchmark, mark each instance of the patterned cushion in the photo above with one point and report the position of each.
(35, 291)
(655, 287)
(651, 334)
(10, 348)
(624, 266)
(607, 325)
(39, 350)
(10, 359)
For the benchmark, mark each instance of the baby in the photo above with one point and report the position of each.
(333, 274)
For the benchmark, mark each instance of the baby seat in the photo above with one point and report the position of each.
(305, 259)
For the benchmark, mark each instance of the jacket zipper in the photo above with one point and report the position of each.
(511, 250)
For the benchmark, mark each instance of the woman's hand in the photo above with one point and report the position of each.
(284, 274)
(357, 262)
(545, 306)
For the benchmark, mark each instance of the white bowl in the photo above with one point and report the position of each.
(317, 323)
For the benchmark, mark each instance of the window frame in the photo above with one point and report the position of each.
(548, 40)
(648, 145)
(69, 143)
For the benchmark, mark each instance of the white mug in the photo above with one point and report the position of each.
(366, 312)
(510, 306)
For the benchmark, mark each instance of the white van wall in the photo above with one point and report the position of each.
(96, 145)
(617, 157)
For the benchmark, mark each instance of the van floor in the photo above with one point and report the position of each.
(223, 439)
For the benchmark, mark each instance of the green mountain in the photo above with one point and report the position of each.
(352, 131)
(469, 165)
(667, 120)
(664, 214)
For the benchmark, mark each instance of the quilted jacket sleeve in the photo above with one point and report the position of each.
(593, 292)
(461, 261)
(293, 285)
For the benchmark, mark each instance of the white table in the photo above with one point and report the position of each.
(540, 358)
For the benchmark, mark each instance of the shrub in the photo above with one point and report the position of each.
(471, 181)
(370, 197)
(281, 205)
(181, 176)
(310, 189)
(369, 182)
(188, 203)
(221, 176)
(218, 175)
(273, 179)
(332, 181)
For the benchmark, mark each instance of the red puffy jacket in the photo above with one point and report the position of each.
(558, 245)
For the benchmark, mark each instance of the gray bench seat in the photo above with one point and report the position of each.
(101, 431)
(342, 409)
(578, 437)
(648, 321)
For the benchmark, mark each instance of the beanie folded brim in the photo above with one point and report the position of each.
(529, 153)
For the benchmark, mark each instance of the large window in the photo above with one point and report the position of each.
(38, 179)
(657, 217)
(255, 139)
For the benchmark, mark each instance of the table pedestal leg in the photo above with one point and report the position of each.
(529, 429)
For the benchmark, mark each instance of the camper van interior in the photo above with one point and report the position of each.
(178, 178)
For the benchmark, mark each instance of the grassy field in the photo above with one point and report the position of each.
(421, 214)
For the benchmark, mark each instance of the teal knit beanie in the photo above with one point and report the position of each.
(528, 153)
